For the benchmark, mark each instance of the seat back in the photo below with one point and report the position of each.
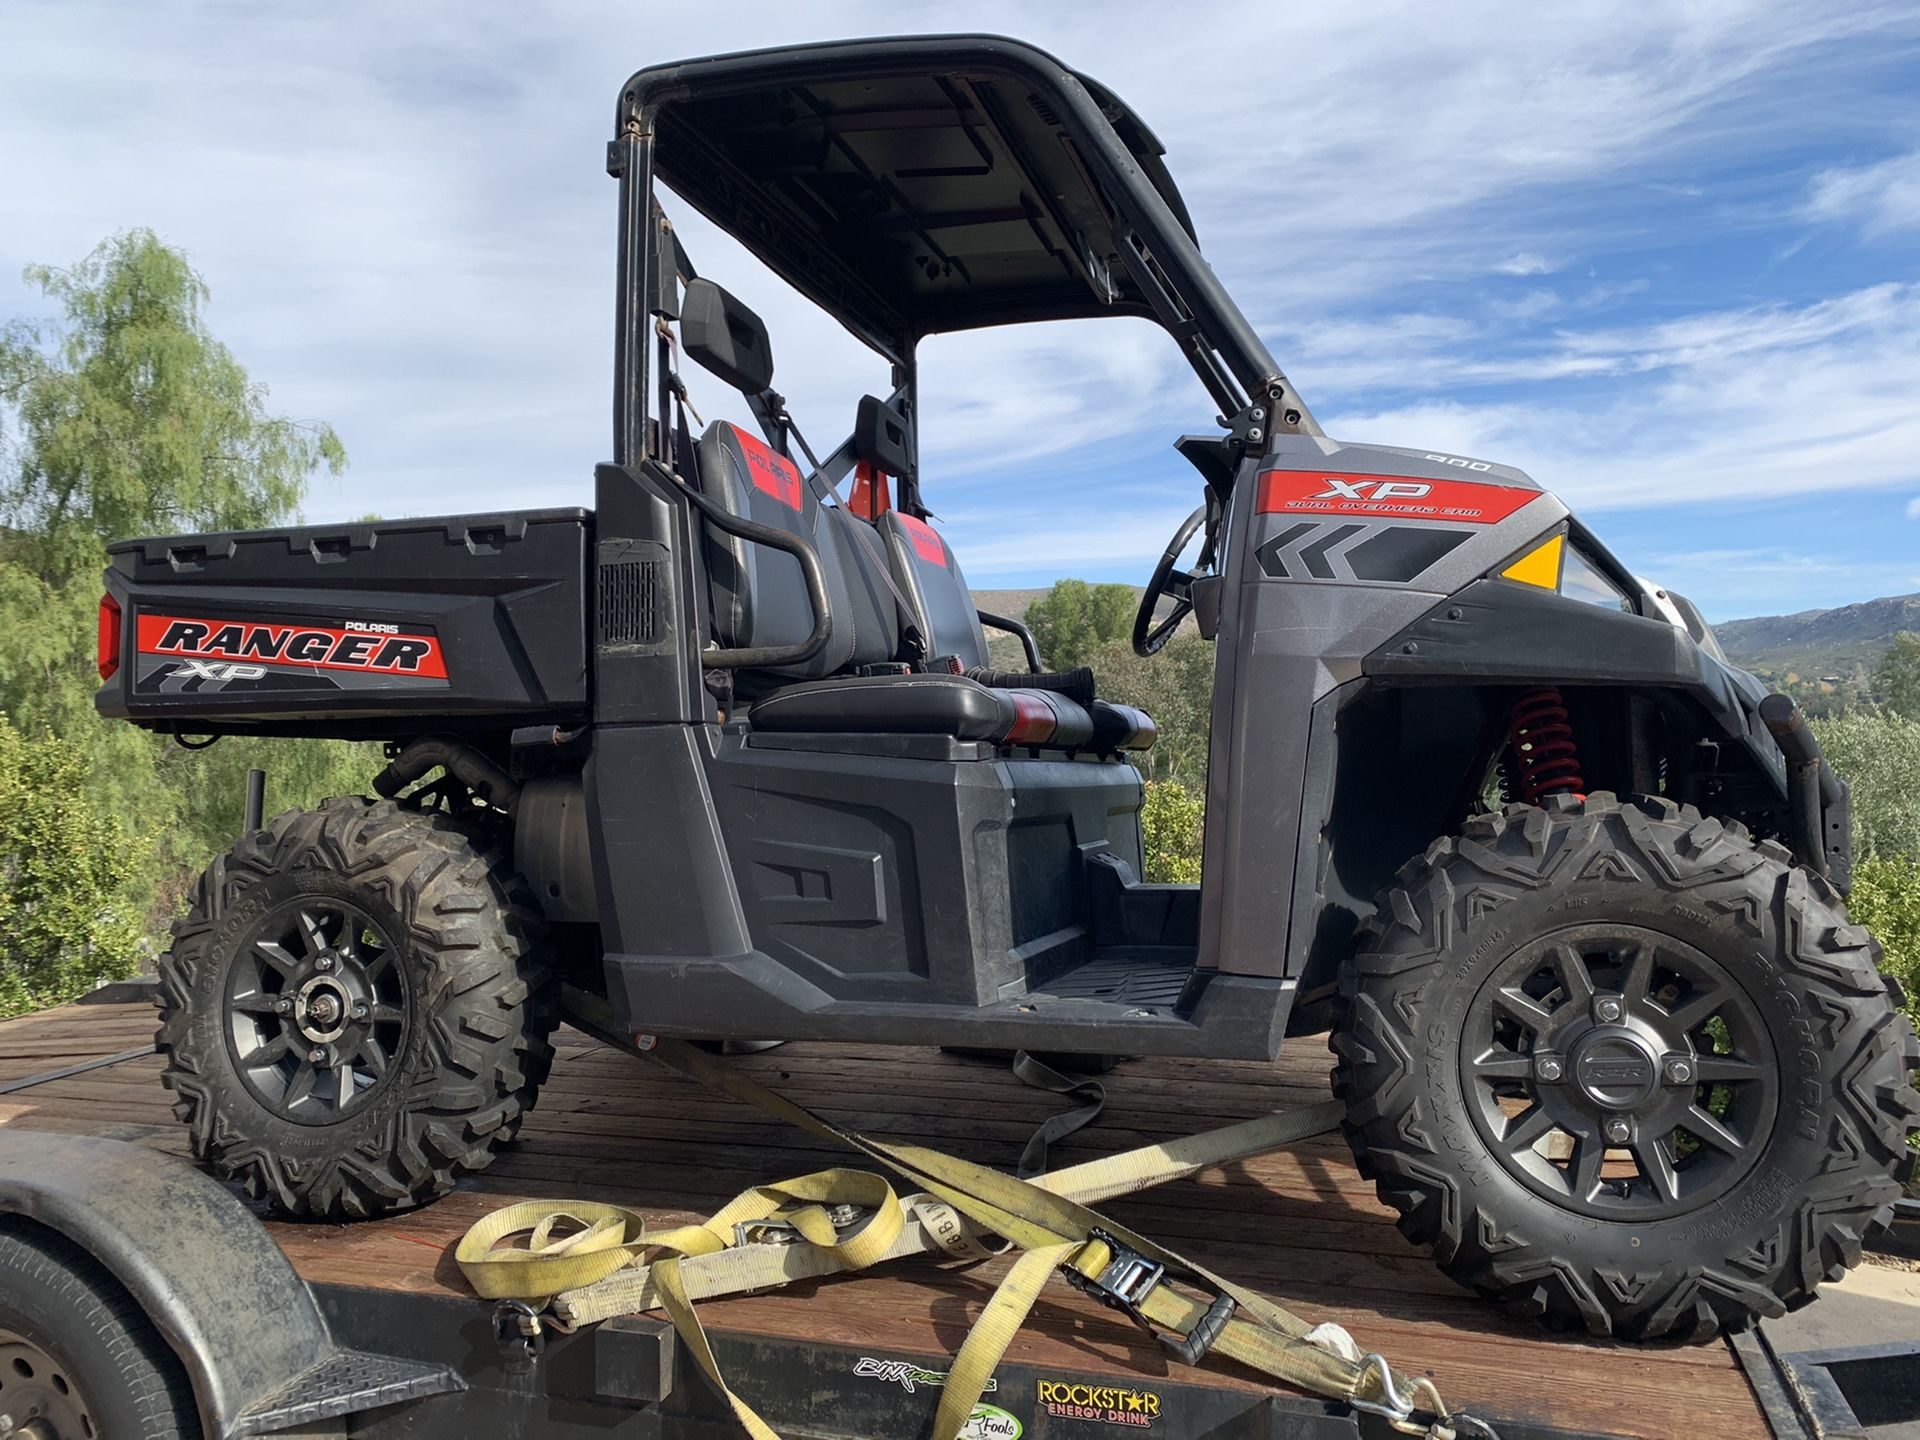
(929, 577)
(759, 594)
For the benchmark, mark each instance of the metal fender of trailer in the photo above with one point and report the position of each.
(208, 1276)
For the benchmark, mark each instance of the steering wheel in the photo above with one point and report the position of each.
(1169, 581)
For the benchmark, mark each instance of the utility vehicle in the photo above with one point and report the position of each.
(728, 753)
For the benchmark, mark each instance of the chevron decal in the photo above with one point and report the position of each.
(1331, 550)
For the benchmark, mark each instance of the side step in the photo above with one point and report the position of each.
(1123, 1000)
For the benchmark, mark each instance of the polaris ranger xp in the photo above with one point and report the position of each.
(727, 754)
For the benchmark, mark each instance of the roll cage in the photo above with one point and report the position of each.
(916, 185)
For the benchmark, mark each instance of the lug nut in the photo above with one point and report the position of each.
(325, 962)
(1548, 1067)
(1679, 1072)
(1607, 1010)
(1618, 1131)
(360, 1011)
(317, 1054)
(283, 1005)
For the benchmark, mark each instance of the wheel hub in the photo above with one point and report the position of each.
(317, 1009)
(38, 1399)
(324, 1010)
(1619, 1072)
(1615, 1070)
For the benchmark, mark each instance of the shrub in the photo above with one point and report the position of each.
(1171, 817)
(70, 911)
(1886, 899)
(1176, 688)
(1878, 753)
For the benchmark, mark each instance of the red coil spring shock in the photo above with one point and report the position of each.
(1542, 758)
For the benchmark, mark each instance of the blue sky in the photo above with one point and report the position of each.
(1665, 258)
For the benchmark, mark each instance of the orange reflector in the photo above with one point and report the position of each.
(1540, 566)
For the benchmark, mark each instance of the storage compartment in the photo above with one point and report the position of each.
(880, 877)
(377, 629)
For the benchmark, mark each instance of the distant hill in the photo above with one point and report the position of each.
(1010, 603)
(1847, 640)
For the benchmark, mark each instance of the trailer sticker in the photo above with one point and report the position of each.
(1108, 1404)
(907, 1376)
(1315, 492)
(355, 645)
(990, 1422)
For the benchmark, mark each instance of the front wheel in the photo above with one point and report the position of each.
(1626, 1068)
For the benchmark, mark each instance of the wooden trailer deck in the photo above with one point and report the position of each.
(1300, 1225)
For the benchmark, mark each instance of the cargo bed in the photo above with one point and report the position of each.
(380, 629)
(1300, 1225)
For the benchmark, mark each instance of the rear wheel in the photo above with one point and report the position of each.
(353, 1011)
(1625, 1068)
(78, 1359)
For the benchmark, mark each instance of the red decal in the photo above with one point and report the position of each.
(771, 471)
(379, 648)
(925, 540)
(1316, 492)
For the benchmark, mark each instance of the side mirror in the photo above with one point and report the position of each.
(724, 336)
(880, 437)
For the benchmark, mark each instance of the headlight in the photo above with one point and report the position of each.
(1557, 565)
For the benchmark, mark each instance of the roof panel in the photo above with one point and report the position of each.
(911, 186)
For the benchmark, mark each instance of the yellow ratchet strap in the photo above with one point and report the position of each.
(586, 1263)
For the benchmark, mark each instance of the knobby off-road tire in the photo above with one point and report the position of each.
(1625, 1068)
(75, 1348)
(353, 1012)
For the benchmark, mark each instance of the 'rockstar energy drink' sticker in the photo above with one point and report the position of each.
(1108, 1404)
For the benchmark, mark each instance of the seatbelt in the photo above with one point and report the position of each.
(847, 1219)
(684, 455)
(824, 492)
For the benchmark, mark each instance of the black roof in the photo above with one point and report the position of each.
(910, 185)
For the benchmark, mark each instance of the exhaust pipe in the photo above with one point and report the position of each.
(458, 759)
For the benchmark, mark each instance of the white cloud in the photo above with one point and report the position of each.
(1772, 401)
(403, 217)
(1913, 508)
(1526, 263)
(1880, 198)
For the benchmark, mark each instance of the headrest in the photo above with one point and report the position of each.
(722, 335)
(880, 436)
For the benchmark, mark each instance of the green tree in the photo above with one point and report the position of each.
(120, 415)
(1896, 679)
(1878, 754)
(1176, 688)
(1074, 619)
(68, 916)
(125, 416)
